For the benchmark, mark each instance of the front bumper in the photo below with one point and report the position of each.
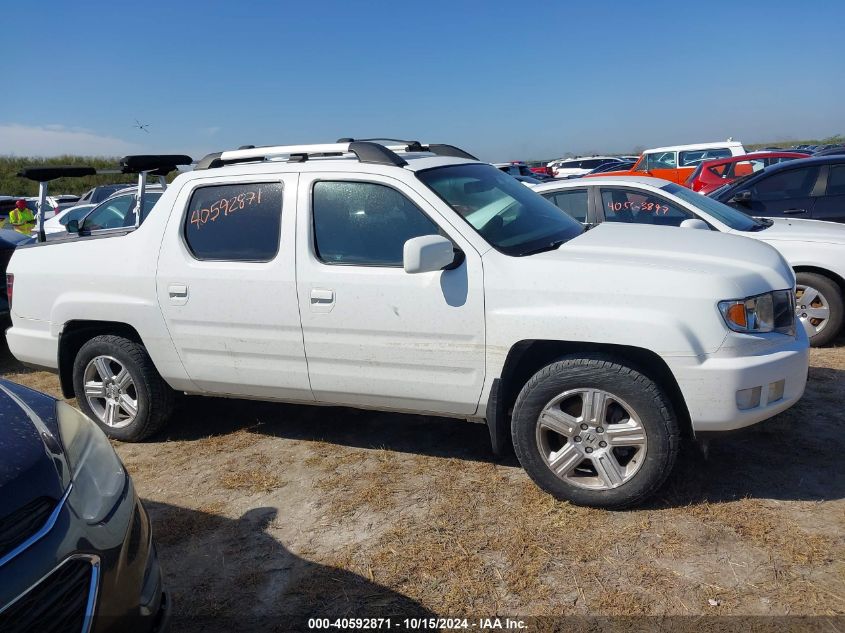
(126, 592)
(715, 385)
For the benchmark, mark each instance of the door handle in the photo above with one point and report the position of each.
(322, 300)
(321, 296)
(177, 290)
(178, 293)
(793, 211)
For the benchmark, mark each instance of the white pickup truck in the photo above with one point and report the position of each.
(416, 278)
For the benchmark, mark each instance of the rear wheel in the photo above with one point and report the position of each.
(119, 388)
(595, 432)
(819, 307)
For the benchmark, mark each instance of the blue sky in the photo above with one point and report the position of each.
(505, 80)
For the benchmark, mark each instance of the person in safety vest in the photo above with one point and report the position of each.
(21, 214)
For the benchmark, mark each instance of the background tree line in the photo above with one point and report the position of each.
(12, 185)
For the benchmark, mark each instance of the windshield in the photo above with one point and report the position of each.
(507, 214)
(722, 212)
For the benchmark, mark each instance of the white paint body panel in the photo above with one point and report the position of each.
(381, 338)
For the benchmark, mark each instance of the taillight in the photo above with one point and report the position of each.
(10, 284)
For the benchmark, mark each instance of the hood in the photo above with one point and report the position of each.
(30, 452)
(755, 266)
(798, 230)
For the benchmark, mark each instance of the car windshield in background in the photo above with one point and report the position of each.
(104, 191)
(722, 212)
(512, 218)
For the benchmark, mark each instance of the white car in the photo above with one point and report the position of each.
(566, 168)
(58, 223)
(416, 278)
(814, 249)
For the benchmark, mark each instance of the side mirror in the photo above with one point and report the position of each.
(695, 223)
(427, 253)
(72, 226)
(742, 196)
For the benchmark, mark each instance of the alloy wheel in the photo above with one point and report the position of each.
(110, 391)
(591, 439)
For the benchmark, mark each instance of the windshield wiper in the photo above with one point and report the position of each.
(542, 249)
(764, 223)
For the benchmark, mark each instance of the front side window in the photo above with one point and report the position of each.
(715, 209)
(366, 224)
(787, 183)
(641, 207)
(572, 201)
(236, 222)
(74, 214)
(118, 212)
(661, 160)
(511, 217)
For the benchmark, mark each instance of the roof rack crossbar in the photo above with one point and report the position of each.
(364, 151)
(369, 150)
(439, 149)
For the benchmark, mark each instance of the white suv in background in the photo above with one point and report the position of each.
(416, 278)
(564, 168)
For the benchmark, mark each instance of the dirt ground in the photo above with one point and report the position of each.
(280, 512)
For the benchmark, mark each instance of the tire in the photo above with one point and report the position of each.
(141, 383)
(828, 296)
(639, 431)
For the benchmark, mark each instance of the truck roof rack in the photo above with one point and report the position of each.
(142, 164)
(365, 150)
(154, 164)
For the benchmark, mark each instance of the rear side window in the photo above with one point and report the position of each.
(573, 202)
(365, 224)
(641, 207)
(238, 222)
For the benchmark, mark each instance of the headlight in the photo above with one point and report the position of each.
(769, 312)
(96, 471)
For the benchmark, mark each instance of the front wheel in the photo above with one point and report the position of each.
(119, 388)
(595, 432)
(819, 307)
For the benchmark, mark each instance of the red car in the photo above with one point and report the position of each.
(712, 174)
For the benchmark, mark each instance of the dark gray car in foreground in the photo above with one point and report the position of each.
(76, 548)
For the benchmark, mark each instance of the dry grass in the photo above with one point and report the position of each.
(251, 474)
(275, 516)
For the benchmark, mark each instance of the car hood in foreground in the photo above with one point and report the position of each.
(30, 453)
(798, 230)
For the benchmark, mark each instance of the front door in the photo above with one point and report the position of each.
(226, 286)
(784, 193)
(375, 335)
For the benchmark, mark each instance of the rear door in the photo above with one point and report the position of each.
(226, 285)
(639, 206)
(831, 205)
